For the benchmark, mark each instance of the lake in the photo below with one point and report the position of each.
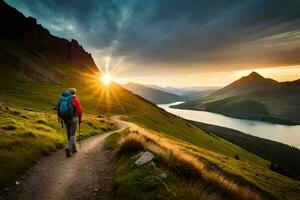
(281, 133)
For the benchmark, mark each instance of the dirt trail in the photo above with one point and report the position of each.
(86, 175)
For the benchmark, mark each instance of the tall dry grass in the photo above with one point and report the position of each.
(131, 142)
(185, 164)
(190, 191)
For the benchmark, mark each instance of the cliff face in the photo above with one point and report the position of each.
(21, 34)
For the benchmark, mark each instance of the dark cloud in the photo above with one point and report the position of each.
(200, 32)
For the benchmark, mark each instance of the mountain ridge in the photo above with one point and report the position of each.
(29, 47)
(184, 91)
(247, 84)
(154, 95)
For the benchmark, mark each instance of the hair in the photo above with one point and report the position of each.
(73, 90)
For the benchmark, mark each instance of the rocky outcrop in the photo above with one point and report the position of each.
(25, 32)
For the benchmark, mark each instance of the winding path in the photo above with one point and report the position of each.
(86, 175)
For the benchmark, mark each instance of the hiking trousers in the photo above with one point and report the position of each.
(71, 126)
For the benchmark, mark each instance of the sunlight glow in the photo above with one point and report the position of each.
(105, 97)
(106, 79)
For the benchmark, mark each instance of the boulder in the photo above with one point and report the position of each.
(163, 175)
(144, 159)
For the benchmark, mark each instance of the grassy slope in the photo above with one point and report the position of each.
(26, 136)
(279, 186)
(177, 128)
(280, 154)
(42, 98)
(141, 182)
(97, 99)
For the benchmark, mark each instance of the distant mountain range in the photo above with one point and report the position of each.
(154, 95)
(184, 91)
(163, 95)
(254, 97)
(198, 95)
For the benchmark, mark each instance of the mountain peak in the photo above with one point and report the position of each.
(247, 84)
(255, 75)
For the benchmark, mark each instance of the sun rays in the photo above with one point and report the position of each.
(106, 79)
(101, 89)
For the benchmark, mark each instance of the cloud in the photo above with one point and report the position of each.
(157, 35)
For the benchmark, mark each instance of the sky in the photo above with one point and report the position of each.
(179, 43)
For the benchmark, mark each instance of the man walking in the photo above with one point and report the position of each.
(70, 113)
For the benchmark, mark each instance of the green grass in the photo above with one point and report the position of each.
(42, 97)
(133, 183)
(111, 141)
(280, 154)
(226, 106)
(177, 128)
(245, 172)
(280, 186)
(26, 136)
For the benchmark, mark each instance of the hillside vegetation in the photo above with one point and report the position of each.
(27, 135)
(282, 156)
(242, 179)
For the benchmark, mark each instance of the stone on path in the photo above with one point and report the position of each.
(144, 159)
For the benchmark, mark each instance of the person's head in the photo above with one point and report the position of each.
(73, 91)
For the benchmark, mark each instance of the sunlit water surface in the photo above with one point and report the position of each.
(281, 133)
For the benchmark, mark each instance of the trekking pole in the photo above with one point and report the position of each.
(79, 138)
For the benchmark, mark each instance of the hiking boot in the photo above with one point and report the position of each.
(74, 151)
(68, 154)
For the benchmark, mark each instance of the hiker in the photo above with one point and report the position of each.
(69, 113)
